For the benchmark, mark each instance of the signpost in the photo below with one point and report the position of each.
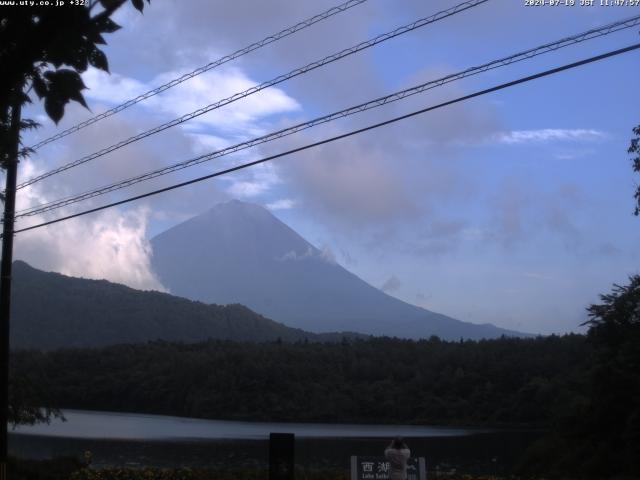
(377, 468)
(281, 456)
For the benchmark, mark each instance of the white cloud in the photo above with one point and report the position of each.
(293, 255)
(327, 255)
(111, 88)
(547, 135)
(108, 245)
(324, 254)
(204, 143)
(253, 182)
(282, 204)
(247, 189)
(205, 89)
(111, 246)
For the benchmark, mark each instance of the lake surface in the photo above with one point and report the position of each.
(121, 439)
(131, 426)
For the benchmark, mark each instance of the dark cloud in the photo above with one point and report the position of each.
(607, 249)
(394, 174)
(350, 182)
(509, 210)
(391, 284)
(521, 211)
(560, 220)
(430, 237)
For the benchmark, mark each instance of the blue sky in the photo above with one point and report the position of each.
(514, 208)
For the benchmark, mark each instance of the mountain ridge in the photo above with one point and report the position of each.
(51, 310)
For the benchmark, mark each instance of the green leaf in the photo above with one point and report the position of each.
(79, 60)
(24, 98)
(106, 25)
(26, 152)
(54, 107)
(49, 75)
(98, 59)
(94, 36)
(78, 97)
(106, 4)
(28, 124)
(39, 85)
(64, 85)
(65, 81)
(138, 5)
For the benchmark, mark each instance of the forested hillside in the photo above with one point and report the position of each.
(53, 311)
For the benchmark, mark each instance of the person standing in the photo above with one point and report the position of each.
(397, 453)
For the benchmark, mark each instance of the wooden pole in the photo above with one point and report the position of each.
(281, 456)
(5, 281)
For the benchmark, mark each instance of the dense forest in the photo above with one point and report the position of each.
(494, 382)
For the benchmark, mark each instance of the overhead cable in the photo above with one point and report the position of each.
(210, 66)
(339, 137)
(257, 88)
(527, 54)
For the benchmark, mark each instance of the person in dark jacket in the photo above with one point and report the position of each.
(397, 453)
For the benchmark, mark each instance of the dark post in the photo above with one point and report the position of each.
(281, 456)
(5, 282)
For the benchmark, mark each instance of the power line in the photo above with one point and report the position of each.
(527, 54)
(227, 58)
(275, 81)
(344, 135)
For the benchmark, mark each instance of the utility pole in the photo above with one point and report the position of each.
(5, 276)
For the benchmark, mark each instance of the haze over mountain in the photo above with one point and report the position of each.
(51, 311)
(239, 252)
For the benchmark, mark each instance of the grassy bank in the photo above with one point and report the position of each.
(73, 469)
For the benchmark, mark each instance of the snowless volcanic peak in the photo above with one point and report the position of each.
(239, 252)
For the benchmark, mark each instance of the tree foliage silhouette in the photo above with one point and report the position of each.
(614, 416)
(634, 148)
(43, 51)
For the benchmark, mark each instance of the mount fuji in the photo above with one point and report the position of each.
(240, 252)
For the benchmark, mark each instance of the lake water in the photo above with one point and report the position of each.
(131, 426)
(136, 440)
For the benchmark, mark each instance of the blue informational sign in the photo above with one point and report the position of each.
(377, 468)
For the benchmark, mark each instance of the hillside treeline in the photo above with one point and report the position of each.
(494, 382)
(76, 312)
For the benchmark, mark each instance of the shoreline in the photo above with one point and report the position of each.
(493, 453)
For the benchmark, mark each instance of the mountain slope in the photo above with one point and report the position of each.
(50, 311)
(240, 253)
